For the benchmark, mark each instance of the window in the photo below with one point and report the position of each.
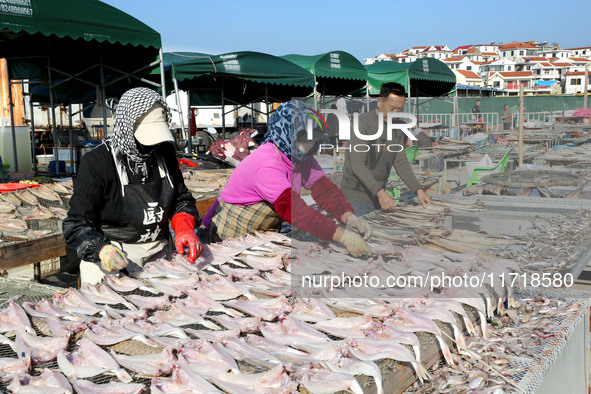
(468, 68)
(512, 53)
(521, 53)
(497, 84)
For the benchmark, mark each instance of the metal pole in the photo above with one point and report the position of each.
(56, 154)
(367, 96)
(104, 98)
(12, 126)
(315, 92)
(162, 76)
(180, 109)
(190, 111)
(72, 158)
(33, 148)
(223, 114)
(586, 85)
(521, 99)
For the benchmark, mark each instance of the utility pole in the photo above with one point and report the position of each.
(521, 124)
(585, 85)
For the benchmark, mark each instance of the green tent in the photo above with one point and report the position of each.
(337, 73)
(426, 76)
(72, 49)
(81, 40)
(237, 77)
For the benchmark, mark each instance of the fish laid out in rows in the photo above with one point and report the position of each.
(19, 208)
(197, 325)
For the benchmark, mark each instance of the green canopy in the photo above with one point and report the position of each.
(74, 37)
(237, 77)
(337, 72)
(69, 50)
(427, 77)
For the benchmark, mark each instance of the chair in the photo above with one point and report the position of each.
(500, 165)
(411, 154)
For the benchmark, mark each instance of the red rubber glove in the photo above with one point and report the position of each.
(183, 226)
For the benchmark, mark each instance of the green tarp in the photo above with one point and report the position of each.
(73, 37)
(89, 20)
(427, 77)
(337, 72)
(240, 77)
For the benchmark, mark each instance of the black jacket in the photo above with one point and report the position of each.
(97, 198)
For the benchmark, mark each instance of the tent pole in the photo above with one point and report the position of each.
(367, 96)
(267, 102)
(12, 126)
(162, 77)
(315, 94)
(33, 151)
(190, 113)
(56, 153)
(180, 109)
(71, 140)
(223, 113)
(104, 98)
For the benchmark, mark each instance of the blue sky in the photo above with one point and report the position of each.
(364, 28)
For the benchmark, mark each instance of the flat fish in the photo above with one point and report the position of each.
(49, 381)
(59, 188)
(149, 302)
(72, 301)
(102, 294)
(27, 197)
(41, 349)
(109, 333)
(14, 318)
(10, 198)
(13, 226)
(319, 380)
(59, 213)
(39, 213)
(275, 380)
(123, 283)
(206, 359)
(87, 387)
(46, 193)
(88, 361)
(6, 207)
(183, 380)
(151, 365)
(10, 367)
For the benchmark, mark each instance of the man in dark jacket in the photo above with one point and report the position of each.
(366, 172)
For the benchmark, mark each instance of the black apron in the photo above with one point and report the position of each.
(146, 210)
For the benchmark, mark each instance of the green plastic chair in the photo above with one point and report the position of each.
(411, 154)
(502, 164)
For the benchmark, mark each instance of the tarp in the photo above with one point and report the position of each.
(337, 72)
(241, 77)
(427, 77)
(73, 37)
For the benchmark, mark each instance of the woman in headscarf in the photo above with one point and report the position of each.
(126, 191)
(265, 187)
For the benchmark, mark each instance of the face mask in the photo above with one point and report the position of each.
(144, 149)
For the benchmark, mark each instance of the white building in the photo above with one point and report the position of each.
(464, 77)
(510, 80)
(575, 82)
(462, 63)
(439, 52)
(556, 53)
(514, 50)
(581, 52)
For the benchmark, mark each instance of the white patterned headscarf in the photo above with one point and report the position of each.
(133, 104)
